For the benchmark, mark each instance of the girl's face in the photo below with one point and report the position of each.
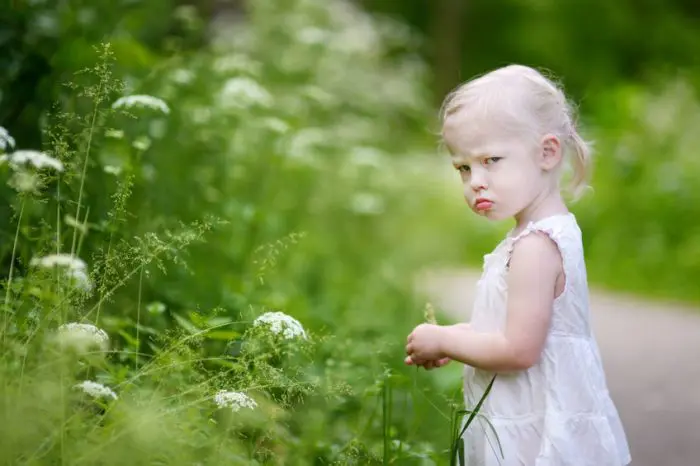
(500, 172)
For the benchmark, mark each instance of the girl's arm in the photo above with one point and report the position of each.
(535, 267)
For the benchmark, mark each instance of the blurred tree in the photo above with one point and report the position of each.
(592, 43)
(42, 42)
(447, 32)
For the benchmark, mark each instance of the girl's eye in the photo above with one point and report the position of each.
(463, 169)
(492, 160)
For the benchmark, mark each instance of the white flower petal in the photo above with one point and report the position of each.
(145, 101)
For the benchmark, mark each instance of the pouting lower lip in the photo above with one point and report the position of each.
(483, 204)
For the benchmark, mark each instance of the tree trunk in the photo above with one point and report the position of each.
(447, 25)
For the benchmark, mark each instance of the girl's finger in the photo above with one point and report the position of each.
(417, 361)
(409, 361)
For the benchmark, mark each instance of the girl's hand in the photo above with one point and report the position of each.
(428, 365)
(432, 363)
(424, 343)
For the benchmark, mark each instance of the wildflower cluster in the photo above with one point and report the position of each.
(142, 101)
(80, 336)
(96, 390)
(38, 159)
(281, 323)
(234, 400)
(75, 268)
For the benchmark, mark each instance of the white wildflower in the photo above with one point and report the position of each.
(34, 157)
(148, 171)
(276, 125)
(46, 24)
(142, 143)
(367, 204)
(86, 16)
(73, 223)
(236, 63)
(358, 37)
(312, 36)
(147, 101)
(114, 133)
(183, 76)
(242, 92)
(156, 307)
(62, 260)
(96, 390)
(157, 128)
(83, 337)
(304, 144)
(318, 95)
(367, 156)
(201, 115)
(234, 400)
(75, 267)
(6, 140)
(112, 170)
(25, 182)
(279, 322)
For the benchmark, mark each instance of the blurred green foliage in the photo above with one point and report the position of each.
(590, 45)
(303, 134)
(308, 185)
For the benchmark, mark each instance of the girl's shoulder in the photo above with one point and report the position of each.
(563, 229)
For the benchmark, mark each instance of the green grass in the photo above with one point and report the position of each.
(277, 185)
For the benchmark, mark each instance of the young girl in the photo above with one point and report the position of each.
(510, 132)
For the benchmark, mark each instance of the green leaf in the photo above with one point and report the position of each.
(222, 335)
(186, 324)
(460, 449)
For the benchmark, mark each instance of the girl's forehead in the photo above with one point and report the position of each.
(473, 138)
(469, 135)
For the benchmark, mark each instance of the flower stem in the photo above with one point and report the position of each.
(12, 269)
(85, 165)
(138, 320)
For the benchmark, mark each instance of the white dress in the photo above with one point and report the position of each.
(558, 412)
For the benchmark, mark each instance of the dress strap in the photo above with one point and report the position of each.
(554, 227)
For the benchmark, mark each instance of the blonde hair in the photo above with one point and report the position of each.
(526, 100)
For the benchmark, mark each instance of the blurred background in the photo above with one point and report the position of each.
(319, 118)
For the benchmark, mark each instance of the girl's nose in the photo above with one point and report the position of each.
(478, 181)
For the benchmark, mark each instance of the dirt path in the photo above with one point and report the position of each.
(650, 352)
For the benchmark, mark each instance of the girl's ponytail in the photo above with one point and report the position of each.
(580, 162)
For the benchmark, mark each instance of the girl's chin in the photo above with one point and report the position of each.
(492, 214)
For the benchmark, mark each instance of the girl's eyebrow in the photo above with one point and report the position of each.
(464, 160)
(461, 159)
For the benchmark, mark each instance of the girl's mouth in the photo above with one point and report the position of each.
(483, 204)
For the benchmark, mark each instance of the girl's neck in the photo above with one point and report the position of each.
(542, 207)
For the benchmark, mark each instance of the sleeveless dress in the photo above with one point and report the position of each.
(558, 412)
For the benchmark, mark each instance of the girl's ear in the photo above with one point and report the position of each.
(551, 152)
